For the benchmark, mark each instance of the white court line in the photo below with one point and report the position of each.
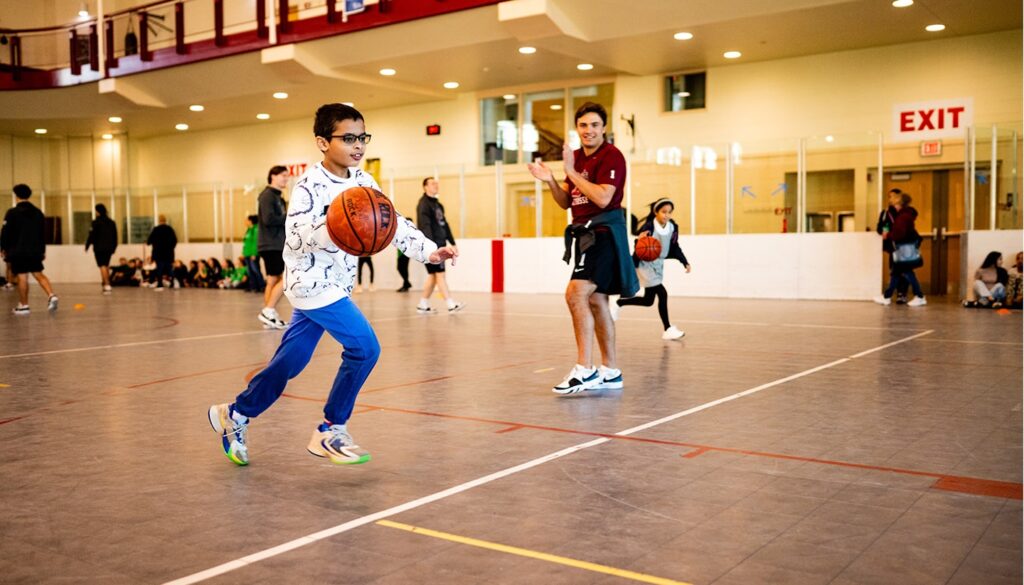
(737, 323)
(156, 341)
(327, 533)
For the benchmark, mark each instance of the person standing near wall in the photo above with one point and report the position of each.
(431, 221)
(906, 254)
(164, 241)
(272, 212)
(103, 239)
(22, 244)
(250, 252)
(595, 176)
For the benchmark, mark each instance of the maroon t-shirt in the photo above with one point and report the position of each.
(606, 166)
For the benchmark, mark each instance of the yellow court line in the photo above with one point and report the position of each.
(533, 554)
(542, 370)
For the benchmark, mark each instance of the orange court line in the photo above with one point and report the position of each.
(953, 483)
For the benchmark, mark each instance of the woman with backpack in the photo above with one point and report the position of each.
(906, 255)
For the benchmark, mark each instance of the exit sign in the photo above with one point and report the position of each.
(931, 148)
(434, 130)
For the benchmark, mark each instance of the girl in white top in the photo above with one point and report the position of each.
(658, 225)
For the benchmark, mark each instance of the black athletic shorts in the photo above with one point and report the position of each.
(273, 262)
(599, 264)
(26, 265)
(102, 258)
(434, 268)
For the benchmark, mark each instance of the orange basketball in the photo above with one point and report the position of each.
(361, 221)
(648, 248)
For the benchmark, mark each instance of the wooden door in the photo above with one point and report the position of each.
(920, 185)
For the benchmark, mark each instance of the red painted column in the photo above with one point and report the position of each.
(497, 266)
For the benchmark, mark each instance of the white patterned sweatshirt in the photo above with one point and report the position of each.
(317, 273)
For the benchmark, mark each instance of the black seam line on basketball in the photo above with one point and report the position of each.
(349, 219)
(370, 195)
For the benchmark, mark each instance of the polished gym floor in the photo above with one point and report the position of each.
(780, 442)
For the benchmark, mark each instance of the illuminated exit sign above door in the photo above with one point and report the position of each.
(434, 130)
(932, 120)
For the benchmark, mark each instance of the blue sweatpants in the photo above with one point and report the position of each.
(348, 326)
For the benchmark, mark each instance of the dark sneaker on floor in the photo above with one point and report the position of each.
(578, 380)
(333, 442)
(232, 433)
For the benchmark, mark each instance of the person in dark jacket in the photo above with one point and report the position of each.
(22, 244)
(103, 239)
(990, 282)
(163, 240)
(883, 227)
(906, 255)
(431, 221)
(270, 243)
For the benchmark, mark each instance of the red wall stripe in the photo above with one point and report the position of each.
(497, 266)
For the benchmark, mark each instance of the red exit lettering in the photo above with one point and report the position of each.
(934, 119)
(296, 170)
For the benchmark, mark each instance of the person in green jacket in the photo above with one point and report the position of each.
(251, 254)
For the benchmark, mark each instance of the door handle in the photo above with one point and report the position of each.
(942, 233)
(935, 233)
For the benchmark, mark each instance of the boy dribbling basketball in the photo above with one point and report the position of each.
(318, 282)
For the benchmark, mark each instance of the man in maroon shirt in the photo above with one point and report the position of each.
(594, 178)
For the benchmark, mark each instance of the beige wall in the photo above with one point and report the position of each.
(836, 93)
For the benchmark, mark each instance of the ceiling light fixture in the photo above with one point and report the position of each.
(830, 138)
(349, 104)
(682, 36)
(83, 12)
(387, 72)
(262, 116)
(114, 119)
(451, 85)
(935, 27)
(556, 106)
(527, 50)
(107, 137)
(683, 94)
(280, 95)
(197, 108)
(732, 54)
(40, 130)
(902, 3)
(509, 97)
(584, 66)
(181, 127)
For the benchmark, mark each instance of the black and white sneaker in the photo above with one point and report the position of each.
(456, 306)
(271, 320)
(51, 303)
(21, 310)
(579, 379)
(610, 379)
(426, 310)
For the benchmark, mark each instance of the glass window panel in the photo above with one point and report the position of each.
(603, 94)
(543, 132)
(1009, 153)
(760, 187)
(499, 121)
(685, 91)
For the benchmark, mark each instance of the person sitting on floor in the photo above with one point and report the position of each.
(1015, 288)
(990, 283)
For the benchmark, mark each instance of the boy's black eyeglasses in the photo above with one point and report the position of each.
(351, 138)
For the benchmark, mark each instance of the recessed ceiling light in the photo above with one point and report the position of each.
(509, 96)
(902, 3)
(107, 137)
(451, 85)
(181, 127)
(114, 119)
(262, 116)
(40, 130)
(935, 27)
(682, 36)
(584, 66)
(349, 104)
(556, 106)
(196, 108)
(387, 72)
(683, 94)
(280, 95)
(732, 54)
(830, 138)
(527, 50)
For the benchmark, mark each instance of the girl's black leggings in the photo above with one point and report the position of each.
(648, 299)
(365, 261)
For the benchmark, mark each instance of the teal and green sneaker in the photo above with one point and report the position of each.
(225, 420)
(334, 443)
